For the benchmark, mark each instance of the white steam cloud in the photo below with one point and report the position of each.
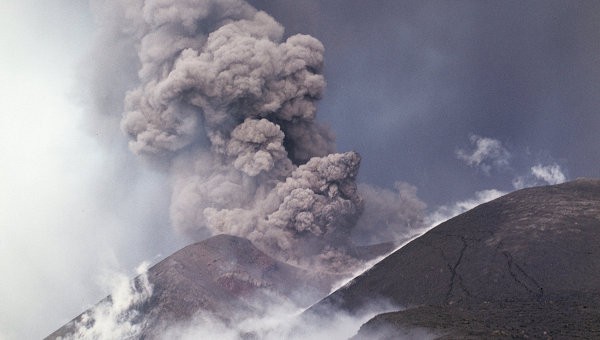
(551, 174)
(280, 322)
(121, 316)
(490, 154)
(487, 154)
(541, 175)
(116, 316)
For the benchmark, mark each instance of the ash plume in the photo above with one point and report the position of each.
(389, 215)
(230, 106)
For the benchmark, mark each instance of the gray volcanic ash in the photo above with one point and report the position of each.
(230, 106)
(225, 103)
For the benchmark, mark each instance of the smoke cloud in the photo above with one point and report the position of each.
(228, 103)
(389, 215)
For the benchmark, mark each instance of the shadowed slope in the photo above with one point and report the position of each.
(536, 245)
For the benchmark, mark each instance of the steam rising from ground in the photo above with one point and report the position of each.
(551, 174)
(115, 317)
(282, 322)
(120, 316)
(230, 106)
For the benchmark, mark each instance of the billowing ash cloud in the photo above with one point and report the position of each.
(389, 215)
(230, 105)
(207, 67)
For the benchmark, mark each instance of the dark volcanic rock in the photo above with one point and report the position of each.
(213, 274)
(536, 250)
(560, 317)
(223, 275)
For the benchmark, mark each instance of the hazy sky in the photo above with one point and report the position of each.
(71, 210)
(453, 97)
(410, 81)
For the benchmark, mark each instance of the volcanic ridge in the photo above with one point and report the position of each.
(524, 265)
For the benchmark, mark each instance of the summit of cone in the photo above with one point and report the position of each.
(224, 276)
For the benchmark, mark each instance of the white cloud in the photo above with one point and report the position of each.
(487, 154)
(540, 175)
(521, 182)
(551, 174)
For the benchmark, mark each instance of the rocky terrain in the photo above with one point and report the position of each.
(226, 277)
(524, 265)
(223, 275)
(559, 317)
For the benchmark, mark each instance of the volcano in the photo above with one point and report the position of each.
(224, 276)
(525, 264)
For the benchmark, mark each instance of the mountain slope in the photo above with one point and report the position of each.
(225, 276)
(534, 246)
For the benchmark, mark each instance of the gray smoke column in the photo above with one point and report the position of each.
(209, 70)
(230, 105)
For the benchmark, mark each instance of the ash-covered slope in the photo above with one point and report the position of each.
(225, 276)
(534, 252)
